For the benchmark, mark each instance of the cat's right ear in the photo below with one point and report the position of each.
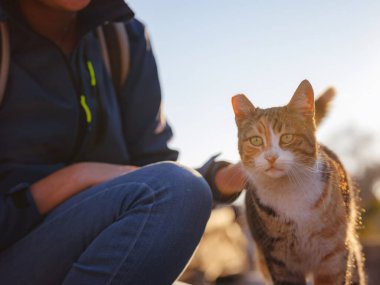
(242, 107)
(302, 101)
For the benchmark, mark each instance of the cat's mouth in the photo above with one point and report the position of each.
(274, 171)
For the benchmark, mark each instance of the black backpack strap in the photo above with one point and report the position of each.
(115, 51)
(4, 58)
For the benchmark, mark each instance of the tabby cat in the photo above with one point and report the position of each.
(301, 205)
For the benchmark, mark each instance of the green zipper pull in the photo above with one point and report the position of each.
(91, 71)
(83, 102)
(86, 109)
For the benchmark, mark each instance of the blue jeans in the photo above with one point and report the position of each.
(138, 229)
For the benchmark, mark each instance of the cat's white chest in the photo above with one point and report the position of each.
(294, 202)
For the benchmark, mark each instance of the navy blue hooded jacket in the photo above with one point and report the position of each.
(44, 127)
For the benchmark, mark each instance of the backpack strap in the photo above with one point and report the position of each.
(115, 49)
(4, 58)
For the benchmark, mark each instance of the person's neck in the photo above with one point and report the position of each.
(59, 26)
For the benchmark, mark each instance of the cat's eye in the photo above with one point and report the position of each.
(256, 141)
(287, 138)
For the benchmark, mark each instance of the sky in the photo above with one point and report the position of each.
(209, 50)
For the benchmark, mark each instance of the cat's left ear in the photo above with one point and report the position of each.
(302, 101)
(242, 107)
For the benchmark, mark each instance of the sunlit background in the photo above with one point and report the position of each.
(209, 50)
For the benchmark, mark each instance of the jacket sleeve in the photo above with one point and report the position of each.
(18, 211)
(145, 128)
(18, 214)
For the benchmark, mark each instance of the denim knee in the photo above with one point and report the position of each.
(174, 182)
(185, 179)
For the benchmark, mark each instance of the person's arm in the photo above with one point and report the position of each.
(145, 128)
(54, 189)
(24, 205)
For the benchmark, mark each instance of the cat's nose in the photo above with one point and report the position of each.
(271, 158)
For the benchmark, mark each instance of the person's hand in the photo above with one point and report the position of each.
(230, 179)
(54, 189)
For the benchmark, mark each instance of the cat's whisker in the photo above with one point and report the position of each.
(293, 176)
(299, 181)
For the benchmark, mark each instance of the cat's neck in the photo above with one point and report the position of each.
(290, 195)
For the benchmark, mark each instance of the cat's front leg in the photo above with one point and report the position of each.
(281, 275)
(329, 278)
(332, 270)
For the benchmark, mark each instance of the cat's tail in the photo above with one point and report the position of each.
(322, 104)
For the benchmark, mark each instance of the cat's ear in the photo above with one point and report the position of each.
(242, 106)
(302, 101)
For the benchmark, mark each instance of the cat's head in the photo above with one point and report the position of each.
(274, 142)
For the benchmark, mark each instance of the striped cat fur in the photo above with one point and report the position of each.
(301, 205)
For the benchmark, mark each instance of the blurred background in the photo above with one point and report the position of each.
(208, 51)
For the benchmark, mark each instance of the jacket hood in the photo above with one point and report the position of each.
(97, 13)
